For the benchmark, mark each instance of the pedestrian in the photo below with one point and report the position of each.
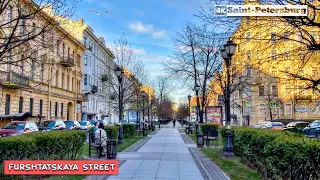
(174, 122)
(96, 126)
(101, 139)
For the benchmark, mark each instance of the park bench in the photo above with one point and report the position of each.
(93, 143)
(211, 135)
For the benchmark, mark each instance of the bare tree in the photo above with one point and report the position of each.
(196, 59)
(134, 77)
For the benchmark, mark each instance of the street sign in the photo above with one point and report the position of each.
(247, 104)
(273, 105)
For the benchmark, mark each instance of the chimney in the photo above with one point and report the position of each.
(81, 21)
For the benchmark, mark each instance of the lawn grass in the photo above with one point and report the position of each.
(231, 166)
(85, 152)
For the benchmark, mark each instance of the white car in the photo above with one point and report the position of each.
(85, 125)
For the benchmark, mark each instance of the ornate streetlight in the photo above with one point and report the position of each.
(144, 128)
(197, 88)
(119, 73)
(227, 51)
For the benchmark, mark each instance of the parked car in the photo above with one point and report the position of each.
(85, 125)
(72, 125)
(18, 127)
(92, 122)
(313, 129)
(277, 126)
(52, 125)
(296, 126)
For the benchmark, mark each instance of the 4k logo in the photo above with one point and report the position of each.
(220, 10)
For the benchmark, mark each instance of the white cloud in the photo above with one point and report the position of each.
(147, 29)
(139, 51)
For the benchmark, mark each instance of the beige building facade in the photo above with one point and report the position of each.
(42, 76)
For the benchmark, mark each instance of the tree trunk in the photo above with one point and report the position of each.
(201, 115)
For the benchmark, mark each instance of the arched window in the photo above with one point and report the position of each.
(85, 79)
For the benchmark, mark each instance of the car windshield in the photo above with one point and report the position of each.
(69, 123)
(16, 126)
(314, 123)
(277, 124)
(47, 123)
(302, 125)
(83, 123)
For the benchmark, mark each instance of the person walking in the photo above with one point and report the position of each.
(101, 138)
(174, 122)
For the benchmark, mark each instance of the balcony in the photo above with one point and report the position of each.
(13, 80)
(67, 62)
(94, 89)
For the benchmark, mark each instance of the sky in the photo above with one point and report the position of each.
(149, 25)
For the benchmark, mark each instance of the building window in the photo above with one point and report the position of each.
(68, 81)
(258, 36)
(315, 72)
(249, 54)
(31, 106)
(248, 71)
(248, 36)
(32, 69)
(58, 47)
(57, 78)
(85, 60)
(63, 50)
(299, 36)
(9, 15)
(273, 37)
(286, 36)
(7, 105)
(258, 55)
(262, 109)
(286, 55)
(41, 106)
(274, 90)
(73, 55)
(21, 105)
(261, 90)
(79, 60)
(56, 110)
(62, 81)
(274, 54)
(85, 41)
(288, 109)
(22, 65)
(68, 51)
(42, 39)
(72, 88)
(42, 72)
(85, 80)
(61, 109)
(90, 60)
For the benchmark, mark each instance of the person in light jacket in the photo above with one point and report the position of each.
(103, 139)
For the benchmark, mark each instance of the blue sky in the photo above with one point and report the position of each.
(149, 25)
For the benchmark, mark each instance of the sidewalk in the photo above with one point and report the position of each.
(166, 155)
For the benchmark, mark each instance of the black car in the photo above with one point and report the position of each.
(52, 125)
(72, 125)
(312, 130)
(296, 126)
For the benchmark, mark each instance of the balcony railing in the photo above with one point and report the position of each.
(67, 62)
(94, 89)
(13, 79)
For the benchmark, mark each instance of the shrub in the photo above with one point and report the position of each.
(53, 145)
(277, 154)
(114, 131)
(206, 127)
(129, 130)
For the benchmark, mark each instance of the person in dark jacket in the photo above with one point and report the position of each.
(174, 122)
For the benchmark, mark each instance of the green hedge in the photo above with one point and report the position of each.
(277, 154)
(205, 127)
(129, 130)
(53, 145)
(114, 131)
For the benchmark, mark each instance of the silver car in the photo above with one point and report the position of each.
(85, 125)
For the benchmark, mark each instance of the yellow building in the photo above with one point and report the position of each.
(269, 51)
(44, 77)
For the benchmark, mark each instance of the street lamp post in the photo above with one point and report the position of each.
(197, 88)
(227, 52)
(119, 73)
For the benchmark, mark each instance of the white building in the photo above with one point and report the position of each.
(97, 65)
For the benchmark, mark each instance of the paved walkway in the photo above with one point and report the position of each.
(164, 156)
